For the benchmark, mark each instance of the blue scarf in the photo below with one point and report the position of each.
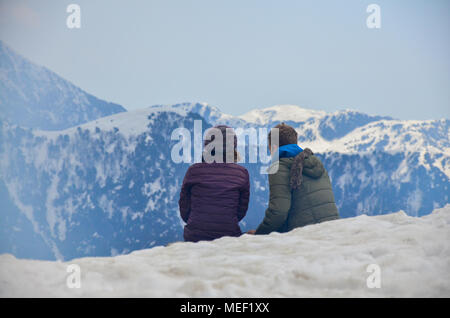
(288, 151)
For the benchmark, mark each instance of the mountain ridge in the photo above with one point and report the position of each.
(373, 133)
(34, 96)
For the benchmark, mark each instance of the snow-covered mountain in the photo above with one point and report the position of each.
(91, 191)
(332, 259)
(33, 96)
(280, 113)
(347, 132)
(109, 186)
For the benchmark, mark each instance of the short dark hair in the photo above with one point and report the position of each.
(287, 134)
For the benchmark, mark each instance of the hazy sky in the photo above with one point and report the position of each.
(244, 54)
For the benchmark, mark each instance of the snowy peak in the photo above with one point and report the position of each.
(340, 123)
(281, 113)
(33, 96)
(211, 114)
(430, 139)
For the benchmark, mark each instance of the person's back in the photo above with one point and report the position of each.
(313, 202)
(213, 200)
(214, 196)
(300, 191)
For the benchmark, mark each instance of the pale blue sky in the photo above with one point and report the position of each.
(240, 55)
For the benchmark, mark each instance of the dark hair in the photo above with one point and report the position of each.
(287, 134)
(226, 132)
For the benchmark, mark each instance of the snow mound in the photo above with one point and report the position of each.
(323, 260)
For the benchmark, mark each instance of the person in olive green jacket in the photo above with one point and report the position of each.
(300, 191)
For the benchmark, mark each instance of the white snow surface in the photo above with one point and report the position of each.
(322, 260)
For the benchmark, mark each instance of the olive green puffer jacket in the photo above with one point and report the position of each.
(313, 202)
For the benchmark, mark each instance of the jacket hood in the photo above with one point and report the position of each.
(313, 167)
(288, 151)
(305, 163)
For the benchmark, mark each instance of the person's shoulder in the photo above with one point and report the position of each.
(280, 166)
(286, 163)
(196, 165)
(239, 167)
(204, 165)
(194, 168)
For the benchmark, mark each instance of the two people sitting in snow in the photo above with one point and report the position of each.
(214, 196)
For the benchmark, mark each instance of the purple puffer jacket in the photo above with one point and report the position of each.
(213, 199)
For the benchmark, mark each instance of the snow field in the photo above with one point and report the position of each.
(322, 260)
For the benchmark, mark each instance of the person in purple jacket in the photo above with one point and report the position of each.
(214, 196)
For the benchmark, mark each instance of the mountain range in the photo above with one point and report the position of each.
(84, 177)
